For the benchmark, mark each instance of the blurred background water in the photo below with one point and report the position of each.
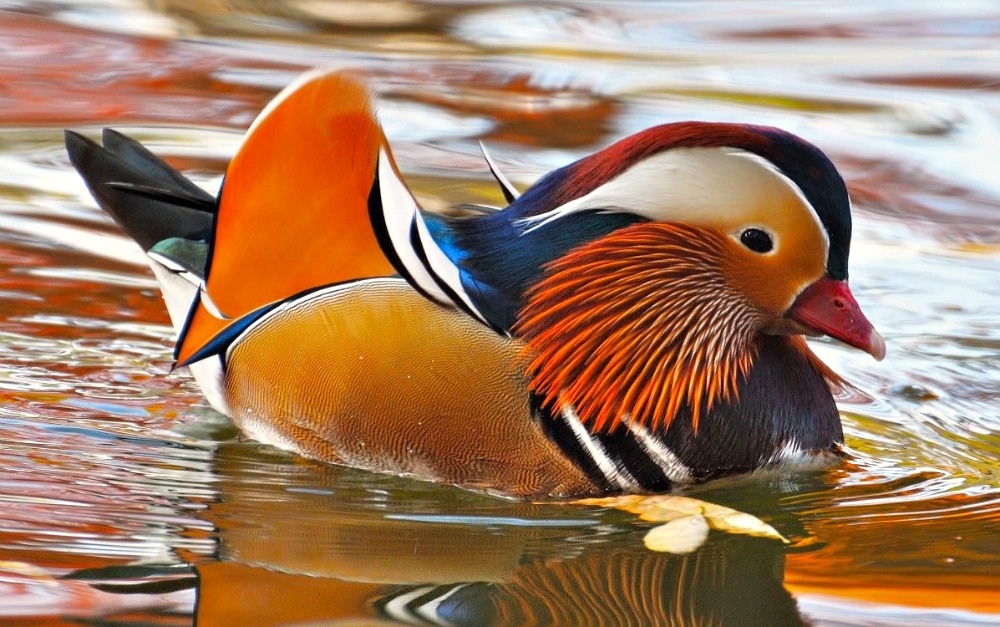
(125, 500)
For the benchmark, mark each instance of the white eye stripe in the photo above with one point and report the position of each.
(693, 185)
(791, 185)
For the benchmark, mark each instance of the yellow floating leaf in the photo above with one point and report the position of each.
(667, 508)
(618, 502)
(659, 508)
(745, 524)
(679, 536)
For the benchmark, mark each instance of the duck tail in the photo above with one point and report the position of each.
(155, 205)
(146, 197)
(292, 215)
(169, 216)
(312, 198)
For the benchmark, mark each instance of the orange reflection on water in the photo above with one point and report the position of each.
(59, 74)
(939, 552)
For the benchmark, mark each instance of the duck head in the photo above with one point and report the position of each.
(641, 278)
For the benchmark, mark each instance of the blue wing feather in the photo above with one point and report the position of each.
(498, 260)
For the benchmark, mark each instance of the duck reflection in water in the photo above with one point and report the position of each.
(295, 551)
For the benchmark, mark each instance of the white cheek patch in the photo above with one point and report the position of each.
(718, 187)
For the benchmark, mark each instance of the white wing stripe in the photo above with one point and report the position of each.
(400, 215)
(397, 608)
(616, 475)
(443, 268)
(429, 610)
(399, 210)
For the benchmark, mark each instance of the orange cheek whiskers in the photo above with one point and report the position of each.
(637, 326)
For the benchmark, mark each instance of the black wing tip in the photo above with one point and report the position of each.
(169, 196)
(148, 199)
(78, 146)
(72, 137)
(110, 135)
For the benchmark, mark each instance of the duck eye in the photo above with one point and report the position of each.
(757, 240)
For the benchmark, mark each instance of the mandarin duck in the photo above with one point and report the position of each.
(631, 322)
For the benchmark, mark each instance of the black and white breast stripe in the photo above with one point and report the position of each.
(629, 459)
(406, 241)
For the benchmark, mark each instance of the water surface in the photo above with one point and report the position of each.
(123, 497)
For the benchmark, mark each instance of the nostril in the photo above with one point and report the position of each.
(838, 303)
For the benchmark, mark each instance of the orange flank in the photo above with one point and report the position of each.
(294, 208)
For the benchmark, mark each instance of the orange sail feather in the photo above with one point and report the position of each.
(293, 213)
